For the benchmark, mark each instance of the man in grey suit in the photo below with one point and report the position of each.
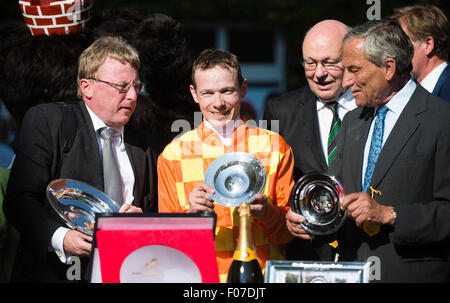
(108, 83)
(305, 118)
(393, 161)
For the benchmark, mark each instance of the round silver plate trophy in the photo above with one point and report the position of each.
(76, 203)
(318, 197)
(236, 178)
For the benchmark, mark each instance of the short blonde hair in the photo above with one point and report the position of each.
(114, 47)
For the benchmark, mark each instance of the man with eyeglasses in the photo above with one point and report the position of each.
(101, 155)
(309, 119)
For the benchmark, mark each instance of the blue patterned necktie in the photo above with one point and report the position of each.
(111, 174)
(375, 146)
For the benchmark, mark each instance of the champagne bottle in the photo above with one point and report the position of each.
(245, 267)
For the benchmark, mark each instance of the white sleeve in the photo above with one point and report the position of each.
(58, 243)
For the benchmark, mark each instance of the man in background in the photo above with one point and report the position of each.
(427, 28)
(309, 120)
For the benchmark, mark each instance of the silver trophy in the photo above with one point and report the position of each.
(77, 203)
(318, 197)
(236, 178)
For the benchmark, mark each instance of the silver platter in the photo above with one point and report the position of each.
(77, 203)
(236, 178)
(318, 198)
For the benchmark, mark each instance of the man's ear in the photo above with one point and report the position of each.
(244, 86)
(390, 68)
(428, 45)
(86, 88)
(193, 93)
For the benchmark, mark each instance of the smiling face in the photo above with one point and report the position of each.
(368, 83)
(111, 106)
(218, 95)
(324, 46)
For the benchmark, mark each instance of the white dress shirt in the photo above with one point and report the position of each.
(395, 107)
(325, 115)
(429, 82)
(126, 172)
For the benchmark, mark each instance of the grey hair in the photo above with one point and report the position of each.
(384, 39)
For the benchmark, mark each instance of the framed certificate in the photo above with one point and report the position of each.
(316, 272)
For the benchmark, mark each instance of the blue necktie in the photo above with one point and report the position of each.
(375, 146)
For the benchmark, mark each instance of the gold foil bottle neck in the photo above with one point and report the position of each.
(245, 250)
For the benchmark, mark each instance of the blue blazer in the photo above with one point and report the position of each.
(442, 88)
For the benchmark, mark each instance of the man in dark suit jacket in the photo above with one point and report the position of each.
(398, 203)
(442, 87)
(305, 119)
(109, 86)
(427, 27)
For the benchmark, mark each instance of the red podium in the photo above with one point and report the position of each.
(154, 248)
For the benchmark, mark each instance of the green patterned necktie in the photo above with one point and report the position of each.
(335, 125)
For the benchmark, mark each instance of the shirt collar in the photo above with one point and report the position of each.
(228, 131)
(429, 82)
(400, 99)
(99, 124)
(345, 100)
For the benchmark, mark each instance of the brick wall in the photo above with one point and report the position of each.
(56, 16)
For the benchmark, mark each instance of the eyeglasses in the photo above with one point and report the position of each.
(123, 87)
(328, 65)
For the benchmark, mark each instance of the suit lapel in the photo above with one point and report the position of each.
(137, 160)
(358, 133)
(90, 149)
(442, 78)
(311, 128)
(404, 128)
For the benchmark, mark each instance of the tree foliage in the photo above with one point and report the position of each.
(292, 17)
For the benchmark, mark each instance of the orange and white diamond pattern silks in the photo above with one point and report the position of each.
(183, 164)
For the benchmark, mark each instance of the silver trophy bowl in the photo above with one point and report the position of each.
(77, 203)
(318, 197)
(236, 178)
